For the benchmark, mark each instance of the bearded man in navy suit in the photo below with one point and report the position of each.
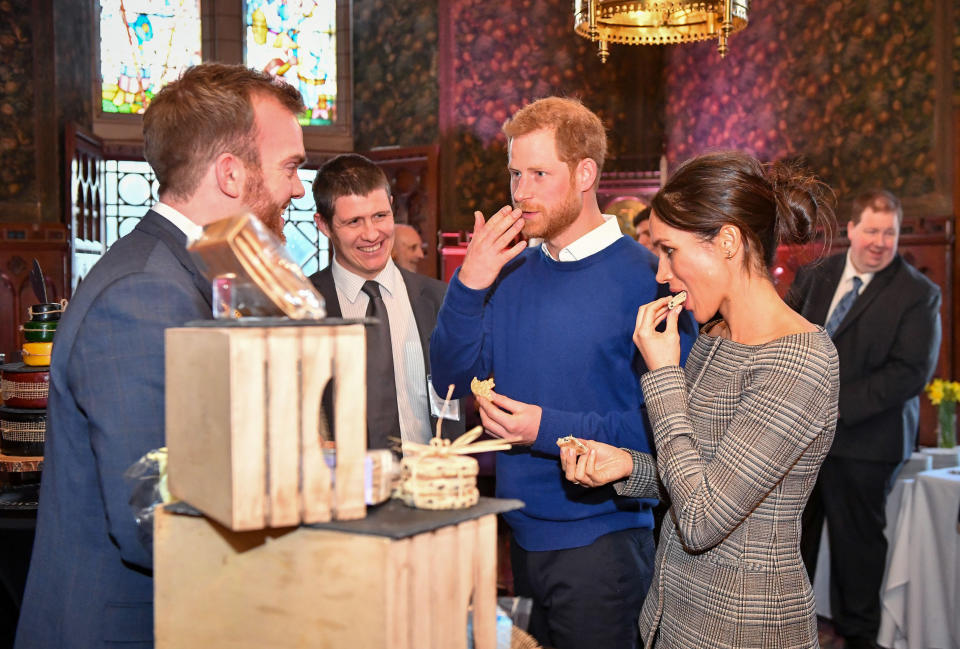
(221, 140)
(884, 318)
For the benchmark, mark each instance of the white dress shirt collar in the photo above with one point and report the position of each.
(182, 223)
(350, 283)
(591, 243)
(849, 271)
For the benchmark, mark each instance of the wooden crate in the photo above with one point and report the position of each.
(328, 588)
(243, 420)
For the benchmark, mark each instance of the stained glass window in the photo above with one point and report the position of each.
(145, 44)
(297, 40)
(131, 188)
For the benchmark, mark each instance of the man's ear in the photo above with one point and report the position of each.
(321, 224)
(230, 174)
(585, 174)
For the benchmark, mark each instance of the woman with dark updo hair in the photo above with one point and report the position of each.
(741, 431)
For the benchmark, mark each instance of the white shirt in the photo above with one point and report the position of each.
(185, 225)
(408, 369)
(591, 243)
(846, 283)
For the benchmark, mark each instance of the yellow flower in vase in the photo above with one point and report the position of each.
(944, 395)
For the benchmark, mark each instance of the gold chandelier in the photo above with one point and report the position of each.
(658, 22)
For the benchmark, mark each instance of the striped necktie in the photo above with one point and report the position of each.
(843, 306)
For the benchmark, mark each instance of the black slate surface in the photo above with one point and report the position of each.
(395, 520)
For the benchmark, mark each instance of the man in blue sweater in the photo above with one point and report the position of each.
(553, 326)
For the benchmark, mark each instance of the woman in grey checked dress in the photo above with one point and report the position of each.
(741, 431)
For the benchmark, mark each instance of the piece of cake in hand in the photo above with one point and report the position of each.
(677, 300)
(482, 388)
(572, 442)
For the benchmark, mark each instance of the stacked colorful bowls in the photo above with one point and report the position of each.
(24, 386)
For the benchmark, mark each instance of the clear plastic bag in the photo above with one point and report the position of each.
(148, 480)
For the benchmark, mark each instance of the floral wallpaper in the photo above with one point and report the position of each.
(507, 54)
(17, 146)
(846, 85)
(395, 73)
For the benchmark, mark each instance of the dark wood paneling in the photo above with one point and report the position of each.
(412, 172)
(20, 244)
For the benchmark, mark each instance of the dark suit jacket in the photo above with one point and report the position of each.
(888, 346)
(426, 296)
(90, 582)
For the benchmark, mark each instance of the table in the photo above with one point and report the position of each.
(917, 463)
(921, 591)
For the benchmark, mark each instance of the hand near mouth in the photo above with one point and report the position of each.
(489, 249)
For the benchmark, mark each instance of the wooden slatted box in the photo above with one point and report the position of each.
(243, 407)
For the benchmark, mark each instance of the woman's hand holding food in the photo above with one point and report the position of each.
(658, 348)
(601, 464)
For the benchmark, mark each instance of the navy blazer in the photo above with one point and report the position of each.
(426, 296)
(90, 582)
(888, 345)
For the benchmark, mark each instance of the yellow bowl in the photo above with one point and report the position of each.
(36, 359)
(43, 349)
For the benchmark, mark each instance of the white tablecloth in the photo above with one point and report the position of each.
(921, 594)
(821, 584)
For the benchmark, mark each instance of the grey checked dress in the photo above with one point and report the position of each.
(740, 434)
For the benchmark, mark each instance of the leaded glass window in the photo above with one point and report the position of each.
(297, 40)
(131, 188)
(145, 44)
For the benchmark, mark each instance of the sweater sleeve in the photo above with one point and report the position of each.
(459, 344)
(787, 396)
(626, 429)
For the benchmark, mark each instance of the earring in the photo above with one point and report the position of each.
(729, 254)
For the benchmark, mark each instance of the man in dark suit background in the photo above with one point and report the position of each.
(221, 140)
(354, 212)
(884, 318)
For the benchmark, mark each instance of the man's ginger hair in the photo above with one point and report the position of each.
(578, 132)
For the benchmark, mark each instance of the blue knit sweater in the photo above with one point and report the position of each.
(558, 335)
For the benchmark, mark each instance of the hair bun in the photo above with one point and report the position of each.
(804, 204)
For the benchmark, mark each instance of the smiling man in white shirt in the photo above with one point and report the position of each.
(354, 211)
(884, 317)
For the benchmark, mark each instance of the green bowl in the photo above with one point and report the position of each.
(48, 325)
(39, 335)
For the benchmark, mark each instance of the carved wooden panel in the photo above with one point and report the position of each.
(84, 196)
(20, 244)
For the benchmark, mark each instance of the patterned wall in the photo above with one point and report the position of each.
(846, 84)
(509, 53)
(17, 146)
(395, 73)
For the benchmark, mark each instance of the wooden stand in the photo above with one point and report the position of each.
(399, 579)
(243, 422)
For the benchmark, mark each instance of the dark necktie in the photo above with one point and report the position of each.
(383, 419)
(843, 306)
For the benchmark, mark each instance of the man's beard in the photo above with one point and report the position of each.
(258, 200)
(554, 221)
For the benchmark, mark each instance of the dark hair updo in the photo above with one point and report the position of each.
(770, 204)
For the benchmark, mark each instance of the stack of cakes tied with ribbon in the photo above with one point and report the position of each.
(24, 386)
